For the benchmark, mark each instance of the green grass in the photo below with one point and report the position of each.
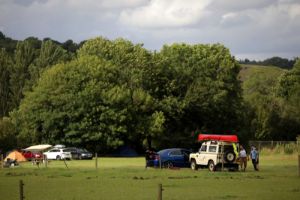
(126, 178)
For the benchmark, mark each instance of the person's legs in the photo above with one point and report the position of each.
(254, 163)
(257, 161)
(241, 163)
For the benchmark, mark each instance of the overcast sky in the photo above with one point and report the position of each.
(255, 29)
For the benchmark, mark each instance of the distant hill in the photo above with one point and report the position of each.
(259, 79)
(248, 71)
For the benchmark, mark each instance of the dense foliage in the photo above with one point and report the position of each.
(102, 94)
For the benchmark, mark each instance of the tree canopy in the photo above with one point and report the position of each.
(102, 94)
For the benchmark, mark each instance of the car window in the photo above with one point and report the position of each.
(69, 150)
(175, 153)
(186, 152)
(54, 150)
(212, 149)
(84, 150)
(203, 148)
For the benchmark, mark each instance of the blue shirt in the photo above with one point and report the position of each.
(254, 154)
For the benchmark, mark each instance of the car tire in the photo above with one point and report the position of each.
(229, 156)
(194, 165)
(168, 164)
(211, 166)
(58, 158)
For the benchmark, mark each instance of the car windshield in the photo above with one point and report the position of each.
(82, 150)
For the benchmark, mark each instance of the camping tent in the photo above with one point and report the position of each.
(15, 155)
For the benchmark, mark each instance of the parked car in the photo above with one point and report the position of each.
(58, 154)
(32, 155)
(79, 153)
(175, 157)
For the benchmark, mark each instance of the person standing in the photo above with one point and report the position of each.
(254, 157)
(150, 156)
(243, 158)
(147, 157)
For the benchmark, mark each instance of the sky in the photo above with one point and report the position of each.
(253, 29)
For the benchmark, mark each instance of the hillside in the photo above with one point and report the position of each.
(259, 79)
(248, 71)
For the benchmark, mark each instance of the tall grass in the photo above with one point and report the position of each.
(281, 149)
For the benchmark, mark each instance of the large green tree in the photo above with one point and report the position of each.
(197, 89)
(5, 75)
(143, 121)
(70, 104)
(49, 54)
(25, 54)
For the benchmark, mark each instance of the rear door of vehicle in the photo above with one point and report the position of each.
(177, 158)
(73, 152)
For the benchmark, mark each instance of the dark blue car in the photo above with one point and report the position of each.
(175, 157)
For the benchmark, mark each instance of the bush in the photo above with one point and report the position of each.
(289, 148)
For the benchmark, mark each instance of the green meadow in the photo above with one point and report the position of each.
(126, 178)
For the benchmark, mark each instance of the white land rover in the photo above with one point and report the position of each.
(215, 155)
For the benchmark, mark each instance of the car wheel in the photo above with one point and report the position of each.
(194, 165)
(58, 158)
(168, 164)
(229, 156)
(211, 166)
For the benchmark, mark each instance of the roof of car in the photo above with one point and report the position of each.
(172, 149)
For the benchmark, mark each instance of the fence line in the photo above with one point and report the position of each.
(285, 146)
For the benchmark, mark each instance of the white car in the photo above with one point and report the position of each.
(58, 154)
(215, 155)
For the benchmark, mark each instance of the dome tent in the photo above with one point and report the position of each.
(15, 155)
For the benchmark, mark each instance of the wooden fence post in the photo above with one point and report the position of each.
(96, 160)
(66, 163)
(46, 161)
(298, 147)
(2, 161)
(21, 190)
(299, 165)
(160, 189)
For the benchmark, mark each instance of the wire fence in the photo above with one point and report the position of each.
(287, 147)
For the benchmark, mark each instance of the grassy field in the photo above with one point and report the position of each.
(126, 178)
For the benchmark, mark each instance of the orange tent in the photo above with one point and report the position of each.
(15, 155)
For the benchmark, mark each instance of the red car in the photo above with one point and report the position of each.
(31, 155)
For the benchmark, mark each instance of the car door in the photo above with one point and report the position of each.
(177, 158)
(186, 156)
(52, 153)
(202, 155)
